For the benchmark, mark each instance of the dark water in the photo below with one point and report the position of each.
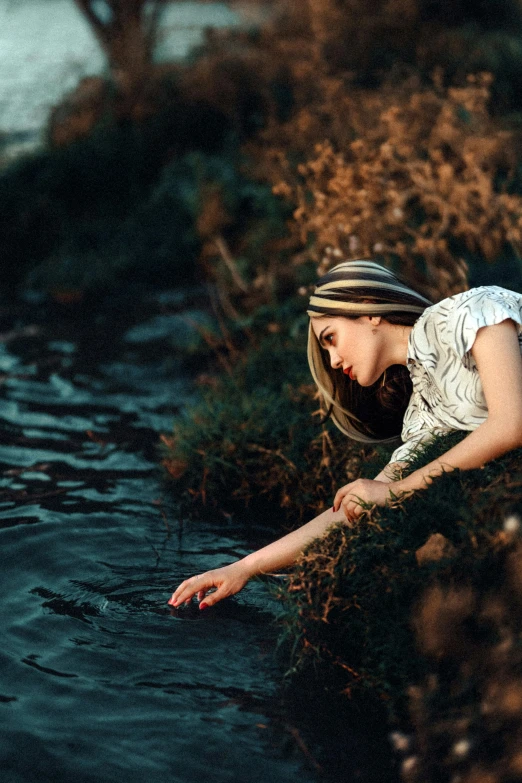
(99, 679)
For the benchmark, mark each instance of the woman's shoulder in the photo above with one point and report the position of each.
(454, 321)
(474, 301)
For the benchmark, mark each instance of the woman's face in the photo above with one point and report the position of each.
(355, 346)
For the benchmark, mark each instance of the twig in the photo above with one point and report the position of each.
(164, 516)
(226, 304)
(276, 452)
(302, 746)
(230, 263)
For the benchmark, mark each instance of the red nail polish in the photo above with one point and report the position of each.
(203, 606)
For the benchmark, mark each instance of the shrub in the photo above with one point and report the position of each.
(424, 183)
(420, 173)
(89, 213)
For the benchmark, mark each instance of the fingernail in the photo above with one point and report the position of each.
(203, 605)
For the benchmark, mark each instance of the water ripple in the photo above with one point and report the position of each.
(103, 680)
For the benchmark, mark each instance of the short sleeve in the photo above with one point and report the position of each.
(476, 308)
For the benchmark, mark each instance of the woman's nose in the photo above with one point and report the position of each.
(335, 360)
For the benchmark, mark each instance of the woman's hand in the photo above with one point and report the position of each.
(349, 498)
(228, 580)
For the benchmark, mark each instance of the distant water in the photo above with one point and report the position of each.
(46, 47)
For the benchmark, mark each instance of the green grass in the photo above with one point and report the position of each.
(252, 438)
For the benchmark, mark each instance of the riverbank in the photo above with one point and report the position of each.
(410, 175)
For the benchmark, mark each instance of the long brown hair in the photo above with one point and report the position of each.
(352, 289)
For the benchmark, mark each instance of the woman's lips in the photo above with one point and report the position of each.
(348, 371)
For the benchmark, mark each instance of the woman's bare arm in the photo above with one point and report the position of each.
(280, 554)
(497, 354)
(230, 579)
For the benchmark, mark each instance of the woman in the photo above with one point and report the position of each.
(386, 359)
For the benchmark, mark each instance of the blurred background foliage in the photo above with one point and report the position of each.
(342, 128)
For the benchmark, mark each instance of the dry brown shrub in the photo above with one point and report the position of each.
(416, 183)
(409, 173)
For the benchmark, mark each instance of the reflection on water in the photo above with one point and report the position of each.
(99, 679)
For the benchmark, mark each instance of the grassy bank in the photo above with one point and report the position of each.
(419, 606)
(412, 158)
(256, 440)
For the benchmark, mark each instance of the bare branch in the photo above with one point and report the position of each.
(153, 23)
(226, 255)
(100, 29)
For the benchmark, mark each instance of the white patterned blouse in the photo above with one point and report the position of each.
(447, 391)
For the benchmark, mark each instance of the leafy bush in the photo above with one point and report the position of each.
(416, 167)
(87, 214)
(418, 184)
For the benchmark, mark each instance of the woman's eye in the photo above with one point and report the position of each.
(328, 339)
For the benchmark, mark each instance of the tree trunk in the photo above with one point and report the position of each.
(127, 35)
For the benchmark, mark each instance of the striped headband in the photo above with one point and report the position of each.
(370, 279)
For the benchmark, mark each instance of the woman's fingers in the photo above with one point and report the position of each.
(344, 499)
(351, 491)
(189, 588)
(339, 496)
(358, 493)
(228, 580)
(349, 499)
(181, 594)
(351, 508)
(212, 598)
